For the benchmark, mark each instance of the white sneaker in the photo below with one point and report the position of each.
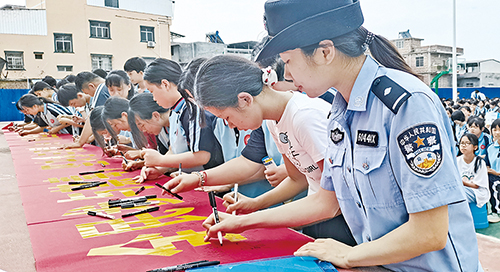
(493, 218)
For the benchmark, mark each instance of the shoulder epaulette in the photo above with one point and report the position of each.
(390, 93)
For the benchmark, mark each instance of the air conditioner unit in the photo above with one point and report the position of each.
(151, 44)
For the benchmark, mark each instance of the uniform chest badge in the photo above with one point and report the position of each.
(336, 135)
(368, 138)
(421, 148)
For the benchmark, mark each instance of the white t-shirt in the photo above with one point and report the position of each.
(480, 178)
(300, 135)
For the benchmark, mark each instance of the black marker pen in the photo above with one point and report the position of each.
(95, 184)
(211, 197)
(168, 191)
(90, 172)
(152, 209)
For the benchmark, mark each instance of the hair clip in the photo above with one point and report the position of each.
(269, 76)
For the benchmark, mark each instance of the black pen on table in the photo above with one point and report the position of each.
(152, 209)
(90, 172)
(182, 267)
(213, 203)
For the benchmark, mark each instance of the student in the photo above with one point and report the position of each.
(93, 85)
(100, 72)
(480, 110)
(114, 117)
(491, 115)
(473, 170)
(135, 70)
(48, 112)
(493, 163)
(390, 164)
(118, 84)
(70, 96)
(190, 144)
(458, 118)
(42, 89)
(296, 122)
(467, 112)
(146, 116)
(475, 125)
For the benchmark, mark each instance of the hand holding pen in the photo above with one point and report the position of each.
(213, 203)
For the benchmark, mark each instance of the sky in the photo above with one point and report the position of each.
(431, 20)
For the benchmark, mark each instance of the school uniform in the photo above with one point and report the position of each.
(480, 195)
(50, 113)
(492, 159)
(484, 141)
(100, 96)
(232, 141)
(391, 153)
(186, 135)
(163, 141)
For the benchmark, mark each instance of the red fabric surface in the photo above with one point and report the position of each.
(65, 238)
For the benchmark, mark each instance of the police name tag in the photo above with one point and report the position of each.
(421, 148)
(368, 138)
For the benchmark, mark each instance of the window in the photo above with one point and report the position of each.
(99, 30)
(111, 3)
(63, 43)
(15, 60)
(419, 61)
(147, 34)
(102, 62)
(38, 55)
(64, 68)
(469, 84)
(400, 44)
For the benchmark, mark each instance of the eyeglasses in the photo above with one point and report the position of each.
(465, 144)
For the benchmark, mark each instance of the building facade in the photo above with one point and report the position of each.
(57, 38)
(427, 61)
(482, 73)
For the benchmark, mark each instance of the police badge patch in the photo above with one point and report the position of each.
(421, 148)
(336, 135)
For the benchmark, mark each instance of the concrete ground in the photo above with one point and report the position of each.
(16, 254)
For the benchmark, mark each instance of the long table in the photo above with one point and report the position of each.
(65, 238)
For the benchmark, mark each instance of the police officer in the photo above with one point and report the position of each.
(390, 163)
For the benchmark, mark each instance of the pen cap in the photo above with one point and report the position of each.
(268, 162)
(91, 213)
(211, 197)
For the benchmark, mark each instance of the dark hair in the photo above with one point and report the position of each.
(30, 100)
(161, 69)
(100, 72)
(352, 44)
(466, 108)
(61, 83)
(455, 107)
(134, 64)
(142, 105)
(97, 124)
(113, 109)
(83, 79)
(186, 82)
(70, 78)
(450, 110)
(495, 124)
(221, 78)
(66, 93)
(478, 121)
(40, 86)
(474, 142)
(50, 80)
(458, 116)
(117, 78)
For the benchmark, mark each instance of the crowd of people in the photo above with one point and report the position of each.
(388, 176)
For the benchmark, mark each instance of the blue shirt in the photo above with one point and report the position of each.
(492, 157)
(100, 96)
(384, 163)
(231, 140)
(483, 142)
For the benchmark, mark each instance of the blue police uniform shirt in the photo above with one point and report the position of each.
(483, 142)
(387, 161)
